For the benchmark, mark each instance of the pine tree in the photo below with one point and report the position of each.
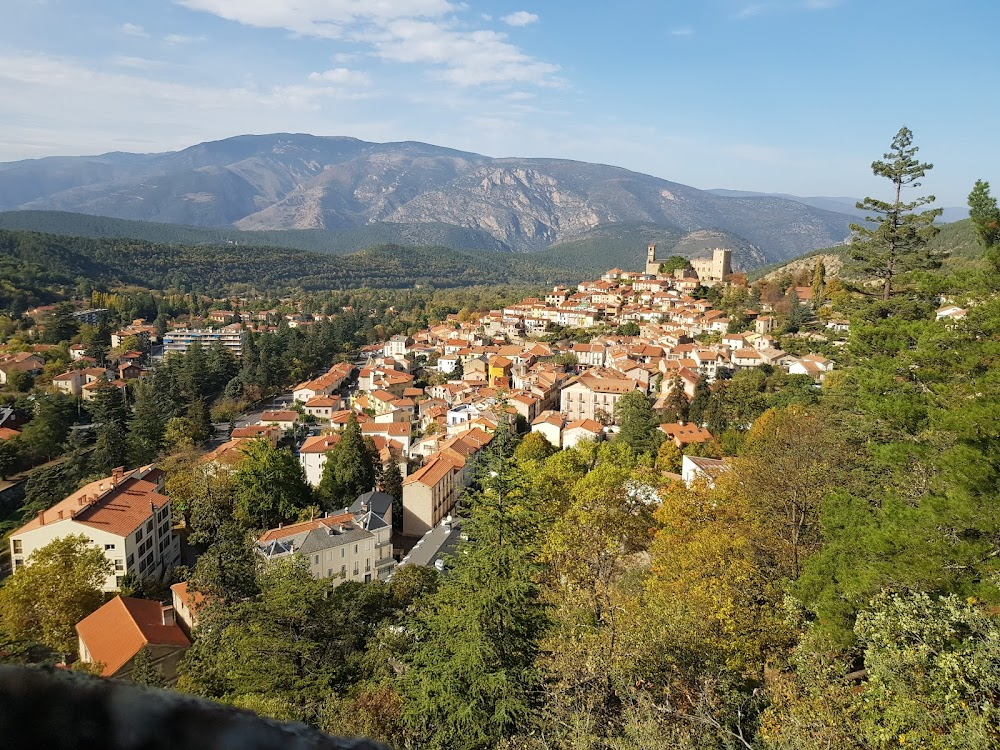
(676, 406)
(699, 404)
(110, 412)
(796, 313)
(350, 468)
(898, 240)
(148, 423)
(638, 423)
(986, 219)
(471, 680)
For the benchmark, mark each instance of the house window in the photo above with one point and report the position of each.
(315, 559)
(368, 565)
(108, 546)
(118, 581)
(131, 560)
(343, 571)
(119, 564)
(355, 549)
(18, 562)
(342, 551)
(355, 567)
(149, 526)
(18, 547)
(368, 578)
(138, 534)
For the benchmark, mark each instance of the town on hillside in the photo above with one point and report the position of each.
(427, 403)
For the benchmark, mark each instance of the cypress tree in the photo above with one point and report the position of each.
(699, 404)
(350, 468)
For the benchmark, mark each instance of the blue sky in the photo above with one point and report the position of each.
(794, 96)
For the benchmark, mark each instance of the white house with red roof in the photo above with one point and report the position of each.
(114, 634)
(127, 515)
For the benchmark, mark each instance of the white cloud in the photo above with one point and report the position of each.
(342, 76)
(133, 29)
(418, 32)
(323, 18)
(686, 31)
(140, 112)
(754, 9)
(182, 39)
(135, 63)
(469, 58)
(520, 18)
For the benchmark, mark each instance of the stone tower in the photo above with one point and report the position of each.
(652, 264)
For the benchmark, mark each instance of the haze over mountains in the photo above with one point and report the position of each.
(299, 181)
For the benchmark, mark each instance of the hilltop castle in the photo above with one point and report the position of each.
(710, 271)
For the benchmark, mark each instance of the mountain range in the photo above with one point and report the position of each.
(414, 193)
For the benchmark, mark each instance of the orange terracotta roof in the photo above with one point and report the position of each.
(323, 401)
(193, 599)
(590, 425)
(253, 431)
(319, 443)
(396, 429)
(279, 416)
(438, 466)
(118, 630)
(118, 509)
(297, 528)
(686, 433)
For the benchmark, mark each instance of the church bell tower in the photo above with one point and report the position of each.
(652, 266)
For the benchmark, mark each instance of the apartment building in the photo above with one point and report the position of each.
(127, 515)
(588, 395)
(183, 339)
(349, 546)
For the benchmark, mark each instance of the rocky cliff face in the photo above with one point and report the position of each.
(287, 181)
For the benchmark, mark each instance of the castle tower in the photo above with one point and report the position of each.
(722, 263)
(652, 265)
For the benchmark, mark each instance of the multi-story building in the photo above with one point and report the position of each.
(351, 546)
(712, 271)
(588, 395)
(127, 515)
(182, 339)
(90, 317)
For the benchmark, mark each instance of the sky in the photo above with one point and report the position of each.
(793, 96)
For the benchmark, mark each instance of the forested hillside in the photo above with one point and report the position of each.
(37, 267)
(334, 241)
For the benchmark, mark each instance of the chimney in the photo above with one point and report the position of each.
(116, 475)
(167, 615)
(281, 525)
(41, 518)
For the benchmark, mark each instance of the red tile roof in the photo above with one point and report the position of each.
(116, 508)
(298, 528)
(118, 630)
